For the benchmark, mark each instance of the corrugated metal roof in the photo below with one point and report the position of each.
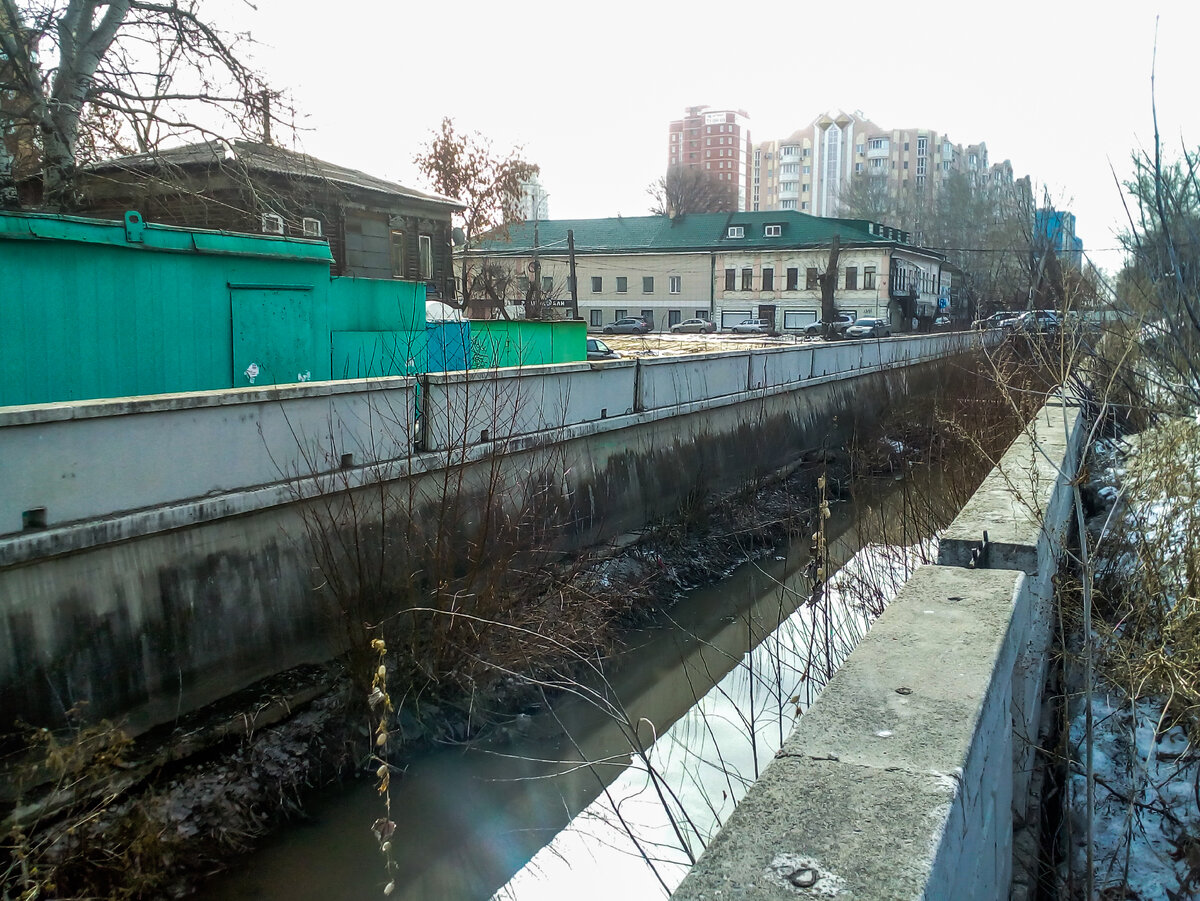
(80, 229)
(255, 157)
(693, 232)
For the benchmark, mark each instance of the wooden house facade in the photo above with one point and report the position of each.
(375, 228)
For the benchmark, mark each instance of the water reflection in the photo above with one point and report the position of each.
(620, 788)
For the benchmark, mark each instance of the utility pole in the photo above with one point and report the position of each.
(574, 281)
(537, 266)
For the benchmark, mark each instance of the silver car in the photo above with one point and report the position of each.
(694, 325)
(868, 327)
(753, 327)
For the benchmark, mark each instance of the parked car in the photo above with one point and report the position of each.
(993, 321)
(753, 327)
(942, 322)
(1039, 322)
(694, 325)
(630, 325)
(869, 327)
(840, 325)
(598, 350)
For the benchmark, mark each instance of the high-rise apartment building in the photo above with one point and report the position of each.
(717, 141)
(812, 168)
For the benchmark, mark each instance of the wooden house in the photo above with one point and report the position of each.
(375, 228)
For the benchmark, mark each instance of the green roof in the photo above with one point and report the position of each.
(137, 234)
(693, 232)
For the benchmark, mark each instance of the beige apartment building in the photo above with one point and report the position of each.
(809, 170)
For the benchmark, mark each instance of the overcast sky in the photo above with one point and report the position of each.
(1062, 89)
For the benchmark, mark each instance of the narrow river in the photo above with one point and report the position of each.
(619, 785)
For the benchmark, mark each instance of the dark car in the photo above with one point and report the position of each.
(630, 325)
(598, 350)
(1039, 322)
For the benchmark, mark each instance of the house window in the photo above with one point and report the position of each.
(735, 231)
(648, 315)
(789, 204)
(869, 278)
(523, 284)
(597, 284)
(768, 279)
(272, 224)
(622, 287)
(620, 314)
(730, 279)
(312, 227)
(597, 317)
(399, 257)
(747, 279)
(675, 284)
(702, 314)
(674, 317)
(851, 278)
(547, 284)
(647, 284)
(803, 206)
(425, 248)
(810, 279)
(793, 279)
(772, 231)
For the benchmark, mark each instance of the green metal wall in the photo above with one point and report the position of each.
(523, 342)
(92, 308)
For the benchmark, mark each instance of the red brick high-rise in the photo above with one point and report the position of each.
(717, 141)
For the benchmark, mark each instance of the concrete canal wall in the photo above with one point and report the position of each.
(154, 554)
(902, 781)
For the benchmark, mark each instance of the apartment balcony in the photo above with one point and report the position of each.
(877, 152)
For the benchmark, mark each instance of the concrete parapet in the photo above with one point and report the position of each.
(902, 780)
(88, 460)
(1021, 502)
(668, 381)
(464, 408)
(890, 783)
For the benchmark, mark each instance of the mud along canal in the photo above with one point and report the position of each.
(623, 779)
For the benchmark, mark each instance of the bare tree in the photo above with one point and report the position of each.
(94, 77)
(686, 190)
(828, 282)
(489, 184)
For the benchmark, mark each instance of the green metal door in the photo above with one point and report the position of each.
(273, 336)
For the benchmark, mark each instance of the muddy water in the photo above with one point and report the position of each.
(619, 785)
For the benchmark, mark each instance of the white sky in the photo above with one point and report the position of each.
(1060, 88)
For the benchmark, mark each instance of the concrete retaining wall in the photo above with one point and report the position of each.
(900, 782)
(464, 408)
(92, 459)
(191, 575)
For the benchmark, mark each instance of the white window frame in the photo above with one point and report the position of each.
(674, 284)
(425, 255)
(772, 231)
(735, 231)
(272, 224)
(312, 227)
